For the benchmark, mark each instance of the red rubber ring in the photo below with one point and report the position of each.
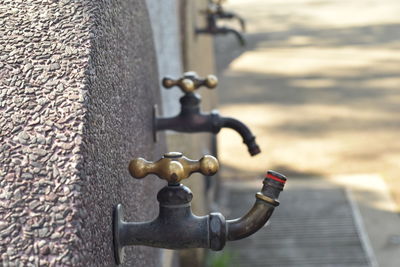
(275, 178)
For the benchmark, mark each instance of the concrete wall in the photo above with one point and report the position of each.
(164, 18)
(178, 49)
(165, 22)
(78, 83)
(197, 55)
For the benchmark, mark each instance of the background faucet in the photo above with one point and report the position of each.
(217, 9)
(191, 119)
(215, 12)
(176, 227)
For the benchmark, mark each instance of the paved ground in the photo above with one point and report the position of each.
(304, 231)
(318, 83)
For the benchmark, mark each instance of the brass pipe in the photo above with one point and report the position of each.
(247, 225)
(258, 216)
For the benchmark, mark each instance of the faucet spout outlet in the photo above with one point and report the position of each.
(176, 227)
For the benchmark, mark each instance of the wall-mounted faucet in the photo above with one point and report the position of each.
(216, 12)
(217, 8)
(176, 227)
(191, 119)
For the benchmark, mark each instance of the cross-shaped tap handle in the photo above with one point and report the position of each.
(173, 167)
(190, 82)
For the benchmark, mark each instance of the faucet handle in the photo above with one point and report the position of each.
(173, 167)
(190, 82)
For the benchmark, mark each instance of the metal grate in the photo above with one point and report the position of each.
(312, 227)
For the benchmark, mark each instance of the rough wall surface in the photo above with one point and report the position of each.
(123, 89)
(78, 81)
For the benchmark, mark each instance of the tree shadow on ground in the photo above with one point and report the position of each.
(296, 36)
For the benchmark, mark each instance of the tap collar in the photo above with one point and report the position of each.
(174, 195)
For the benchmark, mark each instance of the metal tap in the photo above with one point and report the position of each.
(191, 119)
(216, 12)
(176, 227)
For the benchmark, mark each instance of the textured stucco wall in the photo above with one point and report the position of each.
(78, 81)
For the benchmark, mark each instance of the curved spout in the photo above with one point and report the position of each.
(266, 201)
(231, 15)
(238, 35)
(191, 120)
(248, 138)
(242, 23)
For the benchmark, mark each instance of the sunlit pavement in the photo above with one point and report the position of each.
(319, 85)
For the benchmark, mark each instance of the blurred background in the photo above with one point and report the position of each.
(318, 84)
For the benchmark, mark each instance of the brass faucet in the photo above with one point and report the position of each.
(191, 119)
(176, 227)
(215, 12)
